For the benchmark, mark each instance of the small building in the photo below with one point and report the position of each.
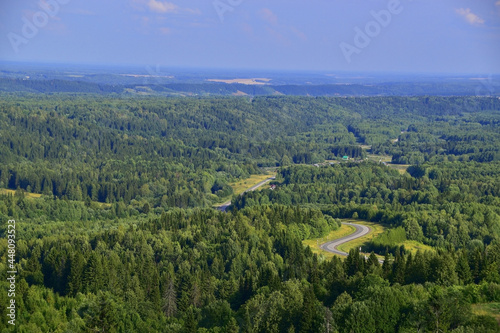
(345, 158)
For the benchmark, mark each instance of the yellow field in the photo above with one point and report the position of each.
(487, 309)
(29, 195)
(252, 81)
(244, 184)
(26, 194)
(414, 246)
(315, 243)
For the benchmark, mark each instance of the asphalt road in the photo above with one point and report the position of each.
(333, 245)
(253, 188)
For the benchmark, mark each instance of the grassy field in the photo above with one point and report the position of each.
(379, 158)
(400, 167)
(487, 309)
(414, 246)
(26, 194)
(315, 243)
(29, 195)
(244, 184)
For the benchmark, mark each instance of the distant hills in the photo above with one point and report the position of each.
(238, 89)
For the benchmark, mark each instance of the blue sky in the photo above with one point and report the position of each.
(447, 36)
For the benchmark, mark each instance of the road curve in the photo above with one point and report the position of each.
(224, 206)
(333, 245)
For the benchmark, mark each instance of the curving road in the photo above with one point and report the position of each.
(333, 245)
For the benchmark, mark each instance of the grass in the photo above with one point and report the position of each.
(315, 243)
(244, 184)
(29, 195)
(26, 194)
(379, 158)
(400, 167)
(487, 309)
(414, 246)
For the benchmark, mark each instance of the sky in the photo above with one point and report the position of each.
(410, 36)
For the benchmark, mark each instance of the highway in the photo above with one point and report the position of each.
(333, 245)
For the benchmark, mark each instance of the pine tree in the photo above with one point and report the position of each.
(92, 277)
(398, 269)
(170, 300)
(308, 311)
(103, 315)
(76, 266)
(463, 269)
(190, 321)
(386, 266)
(232, 326)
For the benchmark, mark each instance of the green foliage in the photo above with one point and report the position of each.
(123, 238)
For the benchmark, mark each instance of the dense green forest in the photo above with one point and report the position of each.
(184, 87)
(124, 238)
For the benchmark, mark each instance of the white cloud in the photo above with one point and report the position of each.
(162, 6)
(80, 11)
(470, 17)
(268, 16)
(283, 34)
(165, 31)
(300, 35)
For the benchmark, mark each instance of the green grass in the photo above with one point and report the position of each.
(414, 246)
(244, 184)
(26, 194)
(400, 167)
(487, 309)
(379, 158)
(29, 195)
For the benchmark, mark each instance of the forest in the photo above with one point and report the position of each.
(197, 85)
(116, 231)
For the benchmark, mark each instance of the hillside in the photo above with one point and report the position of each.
(115, 227)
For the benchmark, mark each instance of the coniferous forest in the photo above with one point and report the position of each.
(116, 229)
